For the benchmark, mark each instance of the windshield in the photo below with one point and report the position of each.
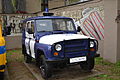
(54, 25)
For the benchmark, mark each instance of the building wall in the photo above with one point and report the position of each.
(13, 42)
(0, 6)
(118, 24)
(56, 3)
(33, 6)
(12, 6)
(112, 30)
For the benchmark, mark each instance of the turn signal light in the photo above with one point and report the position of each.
(56, 54)
(92, 49)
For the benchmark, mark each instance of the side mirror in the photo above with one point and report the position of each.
(78, 29)
(30, 31)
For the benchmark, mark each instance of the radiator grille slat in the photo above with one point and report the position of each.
(74, 48)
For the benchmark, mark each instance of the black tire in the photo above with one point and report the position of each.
(1, 75)
(23, 49)
(27, 58)
(45, 68)
(88, 65)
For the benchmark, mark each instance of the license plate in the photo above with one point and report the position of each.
(78, 59)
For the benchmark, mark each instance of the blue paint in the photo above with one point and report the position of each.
(46, 10)
(2, 49)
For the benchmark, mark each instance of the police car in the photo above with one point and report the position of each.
(53, 42)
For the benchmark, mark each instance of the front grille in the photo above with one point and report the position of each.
(75, 48)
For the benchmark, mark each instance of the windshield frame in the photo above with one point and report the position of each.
(73, 25)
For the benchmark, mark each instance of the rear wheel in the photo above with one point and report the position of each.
(27, 58)
(45, 68)
(23, 49)
(87, 65)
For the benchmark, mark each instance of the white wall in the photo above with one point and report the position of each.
(110, 41)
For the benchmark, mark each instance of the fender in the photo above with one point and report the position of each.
(45, 48)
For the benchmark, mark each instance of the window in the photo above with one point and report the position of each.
(32, 26)
(69, 25)
(54, 25)
(44, 25)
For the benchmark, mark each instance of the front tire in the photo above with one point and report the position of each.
(87, 65)
(45, 68)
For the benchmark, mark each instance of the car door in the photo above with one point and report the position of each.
(27, 38)
(32, 40)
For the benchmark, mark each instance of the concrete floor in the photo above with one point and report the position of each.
(69, 73)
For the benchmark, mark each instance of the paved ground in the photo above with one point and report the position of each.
(68, 73)
(6, 74)
(18, 70)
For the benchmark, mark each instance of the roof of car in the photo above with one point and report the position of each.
(46, 17)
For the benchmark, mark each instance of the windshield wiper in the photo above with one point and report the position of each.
(59, 30)
(43, 31)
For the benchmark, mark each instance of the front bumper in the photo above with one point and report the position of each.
(67, 60)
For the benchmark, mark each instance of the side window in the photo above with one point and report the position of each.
(27, 26)
(30, 27)
(70, 25)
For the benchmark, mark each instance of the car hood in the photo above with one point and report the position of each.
(54, 38)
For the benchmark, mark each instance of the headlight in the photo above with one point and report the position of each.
(91, 44)
(58, 47)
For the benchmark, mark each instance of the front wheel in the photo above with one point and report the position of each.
(87, 65)
(45, 68)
